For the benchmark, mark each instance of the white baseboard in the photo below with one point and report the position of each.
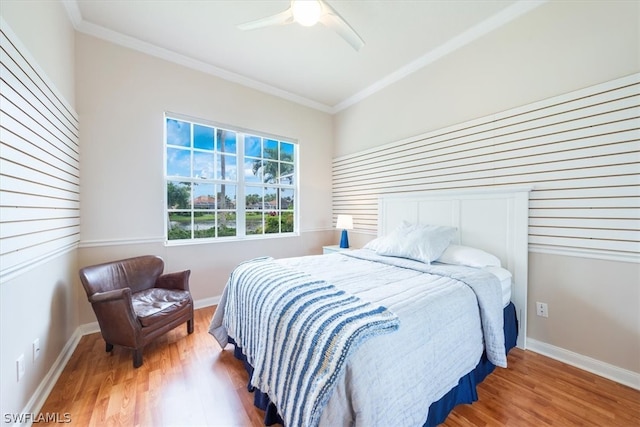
(89, 328)
(614, 373)
(38, 398)
(49, 381)
(207, 302)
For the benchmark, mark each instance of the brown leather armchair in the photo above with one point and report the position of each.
(135, 303)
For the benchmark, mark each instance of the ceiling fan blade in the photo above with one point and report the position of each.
(281, 18)
(333, 20)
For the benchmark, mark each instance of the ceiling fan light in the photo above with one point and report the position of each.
(306, 12)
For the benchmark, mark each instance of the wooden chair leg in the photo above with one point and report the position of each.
(109, 347)
(137, 358)
(190, 326)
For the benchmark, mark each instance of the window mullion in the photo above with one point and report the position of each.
(241, 199)
(191, 182)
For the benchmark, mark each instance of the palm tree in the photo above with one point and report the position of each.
(270, 171)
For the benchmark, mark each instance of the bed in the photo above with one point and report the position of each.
(382, 336)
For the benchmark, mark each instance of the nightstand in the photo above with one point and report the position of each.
(332, 249)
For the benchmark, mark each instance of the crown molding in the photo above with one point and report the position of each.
(103, 33)
(492, 23)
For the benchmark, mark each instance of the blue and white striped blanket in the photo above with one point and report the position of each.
(298, 348)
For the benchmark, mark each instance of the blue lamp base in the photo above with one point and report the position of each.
(344, 240)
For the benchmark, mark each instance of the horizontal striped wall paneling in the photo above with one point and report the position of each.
(39, 164)
(580, 152)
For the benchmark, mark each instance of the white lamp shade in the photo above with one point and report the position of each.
(345, 222)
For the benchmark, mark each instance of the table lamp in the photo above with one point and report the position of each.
(344, 222)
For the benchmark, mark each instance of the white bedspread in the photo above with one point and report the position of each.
(392, 379)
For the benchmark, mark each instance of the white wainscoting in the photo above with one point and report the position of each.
(579, 151)
(39, 164)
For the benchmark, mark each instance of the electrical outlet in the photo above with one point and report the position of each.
(36, 349)
(20, 366)
(542, 309)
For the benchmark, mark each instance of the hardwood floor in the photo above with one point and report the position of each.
(187, 380)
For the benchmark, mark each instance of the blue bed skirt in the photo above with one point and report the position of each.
(464, 392)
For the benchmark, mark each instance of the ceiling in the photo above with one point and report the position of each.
(309, 65)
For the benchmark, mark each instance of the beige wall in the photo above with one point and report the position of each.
(39, 301)
(122, 95)
(557, 48)
(594, 307)
(52, 45)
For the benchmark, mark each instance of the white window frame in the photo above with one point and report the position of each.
(240, 183)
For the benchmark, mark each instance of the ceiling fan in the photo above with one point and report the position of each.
(308, 13)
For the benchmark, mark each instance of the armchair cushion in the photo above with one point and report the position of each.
(156, 304)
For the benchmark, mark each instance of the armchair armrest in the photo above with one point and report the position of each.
(178, 280)
(110, 295)
(116, 316)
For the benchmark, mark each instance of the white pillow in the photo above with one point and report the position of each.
(374, 244)
(419, 242)
(465, 255)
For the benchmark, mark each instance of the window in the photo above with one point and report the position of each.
(227, 183)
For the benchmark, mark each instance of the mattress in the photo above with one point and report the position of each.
(505, 277)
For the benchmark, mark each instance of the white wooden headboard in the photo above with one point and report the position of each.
(495, 220)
